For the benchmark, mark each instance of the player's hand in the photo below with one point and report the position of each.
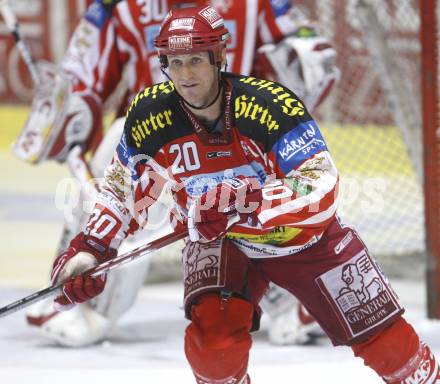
(230, 202)
(79, 257)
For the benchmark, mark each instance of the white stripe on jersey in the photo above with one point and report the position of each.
(249, 37)
(127, 20)
(322, 187)
(321, 216)
(129, 76)
(104, 59)
(266, 35)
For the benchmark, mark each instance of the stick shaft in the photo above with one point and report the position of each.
(99, 269)
(12, 24)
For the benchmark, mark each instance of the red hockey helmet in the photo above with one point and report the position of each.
(192, 29)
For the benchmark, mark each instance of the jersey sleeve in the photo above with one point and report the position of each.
(303, 189)
(92, 59)
(133, 182)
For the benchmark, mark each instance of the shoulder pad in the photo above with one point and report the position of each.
(154, 118)
(152, 94)
(264, 109)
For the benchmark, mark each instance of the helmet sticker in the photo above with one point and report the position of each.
(186, 23)
(180, 42)
(212, 17)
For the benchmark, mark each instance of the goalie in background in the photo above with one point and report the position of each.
(111, 52)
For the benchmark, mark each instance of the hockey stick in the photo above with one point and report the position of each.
(12, 24)
(96, 271)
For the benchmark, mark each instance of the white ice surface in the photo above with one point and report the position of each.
(148, 348)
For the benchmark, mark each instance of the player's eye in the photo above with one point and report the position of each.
(196, 60)
(176, 63)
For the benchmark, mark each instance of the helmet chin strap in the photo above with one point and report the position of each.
(220, 87)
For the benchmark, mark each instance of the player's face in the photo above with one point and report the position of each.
(194, 77)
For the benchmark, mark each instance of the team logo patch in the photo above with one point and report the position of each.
(212, 17)
(360, 293)
(186, 23)
(180, 42)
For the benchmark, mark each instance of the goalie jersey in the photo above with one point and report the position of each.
(266, 134)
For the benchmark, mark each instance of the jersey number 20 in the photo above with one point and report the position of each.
(187, 157)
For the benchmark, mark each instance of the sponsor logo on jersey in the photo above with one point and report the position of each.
(217, 154)
(235, 182)
(299, 144)
(247, 108)
(290, 105)
(141, 130)
(186, 23)
(344, 242)
(360, 294)
(152, 92)
(279, 235)
(197, 185)
(212, 17)
(180, 42)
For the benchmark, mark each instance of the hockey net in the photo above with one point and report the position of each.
(372, 124)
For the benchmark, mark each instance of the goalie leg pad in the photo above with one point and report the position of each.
(398, 356)
(217, 342)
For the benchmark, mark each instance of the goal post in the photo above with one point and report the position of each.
(430, 39)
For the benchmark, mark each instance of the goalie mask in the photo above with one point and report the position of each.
(304, 64)
(58, 119)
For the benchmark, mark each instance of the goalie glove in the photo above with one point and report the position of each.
(230, 202)
(303, 62)
(84, 252)
(59, 119)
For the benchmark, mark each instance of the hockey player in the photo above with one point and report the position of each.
(113, 39)
(257, 188)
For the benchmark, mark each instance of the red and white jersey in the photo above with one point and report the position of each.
(116, 41)
(268, 135)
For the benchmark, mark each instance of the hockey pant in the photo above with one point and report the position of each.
(338, 282)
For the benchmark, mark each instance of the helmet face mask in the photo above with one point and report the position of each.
(190, 30)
